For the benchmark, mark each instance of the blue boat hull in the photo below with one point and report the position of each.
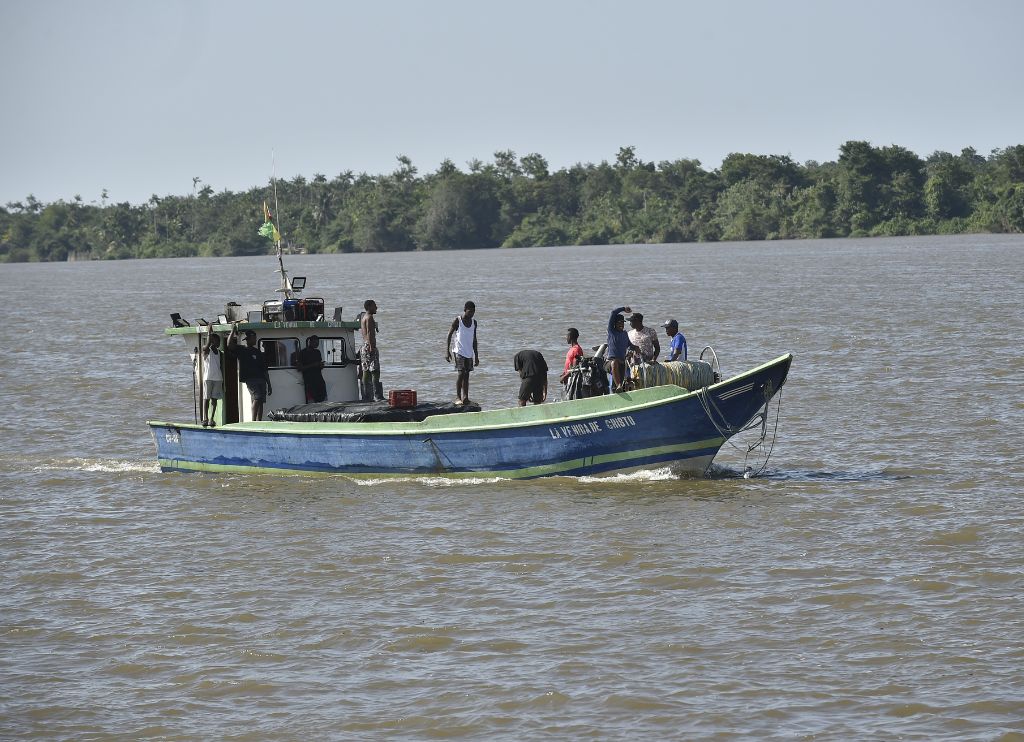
(648, 428)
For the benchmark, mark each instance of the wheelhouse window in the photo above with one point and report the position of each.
(335, 351)
(278, 352)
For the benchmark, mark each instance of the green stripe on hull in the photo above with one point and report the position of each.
(524, 473)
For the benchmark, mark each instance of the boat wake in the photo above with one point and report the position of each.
(427, 481)
(663, 474)
(648, 475)
(112, 466)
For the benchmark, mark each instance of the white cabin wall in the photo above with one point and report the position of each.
(287, 384)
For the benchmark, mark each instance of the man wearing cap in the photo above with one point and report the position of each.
(678, 346)
(645, 338)
(252, 369)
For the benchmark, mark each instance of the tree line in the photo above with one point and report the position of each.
(518, 201)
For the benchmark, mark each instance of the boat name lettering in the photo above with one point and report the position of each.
(575, 430)
(172, 437)
(626, 421)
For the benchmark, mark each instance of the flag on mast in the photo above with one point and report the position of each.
(269, 229)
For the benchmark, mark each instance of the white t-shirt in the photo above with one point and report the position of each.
(211, 367)
(644, 339)
(462, 343)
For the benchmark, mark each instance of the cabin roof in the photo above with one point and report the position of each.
(260, 327)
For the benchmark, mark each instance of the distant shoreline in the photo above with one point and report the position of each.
(517, 202)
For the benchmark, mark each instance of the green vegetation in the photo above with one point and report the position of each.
(516, 202)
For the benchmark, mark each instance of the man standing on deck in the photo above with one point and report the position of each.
(677, 350)
(464, 349)
(213, 378)
(575, 353)
(252, 369)
(310, 363)
(645, 338)
(618, 344)
(369, 357)
(572, 338)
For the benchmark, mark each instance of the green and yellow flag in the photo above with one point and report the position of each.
(269, 229)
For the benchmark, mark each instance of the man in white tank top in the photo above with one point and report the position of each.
(464, 349)
(213, 379)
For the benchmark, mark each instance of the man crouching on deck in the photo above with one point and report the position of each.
(533, 370)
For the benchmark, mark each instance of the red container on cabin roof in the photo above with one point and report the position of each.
(402, 398)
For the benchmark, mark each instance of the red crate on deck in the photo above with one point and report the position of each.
(402, 398)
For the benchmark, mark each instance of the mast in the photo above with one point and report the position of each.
(286, 286)
(270, 229)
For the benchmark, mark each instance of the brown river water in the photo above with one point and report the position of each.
(867, 587)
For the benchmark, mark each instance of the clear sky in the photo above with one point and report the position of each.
(139, 96)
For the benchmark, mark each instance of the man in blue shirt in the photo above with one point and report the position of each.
(677, 349)
(618, 344)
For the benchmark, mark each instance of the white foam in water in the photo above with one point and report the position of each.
(650, 475)
(645, 475)
(432, 481)
(113, 466)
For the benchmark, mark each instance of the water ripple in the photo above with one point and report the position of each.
(866, 585)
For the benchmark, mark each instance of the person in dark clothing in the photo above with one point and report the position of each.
(618, 344)
(533, 370)
(252, 369)
(309, 362)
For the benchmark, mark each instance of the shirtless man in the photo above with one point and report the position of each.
(369, 357)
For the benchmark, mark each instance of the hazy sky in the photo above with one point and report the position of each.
(139, 96)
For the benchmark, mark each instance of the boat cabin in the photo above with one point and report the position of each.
(282, 328)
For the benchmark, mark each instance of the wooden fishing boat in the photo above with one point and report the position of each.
(661, 426)
(680, 425)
